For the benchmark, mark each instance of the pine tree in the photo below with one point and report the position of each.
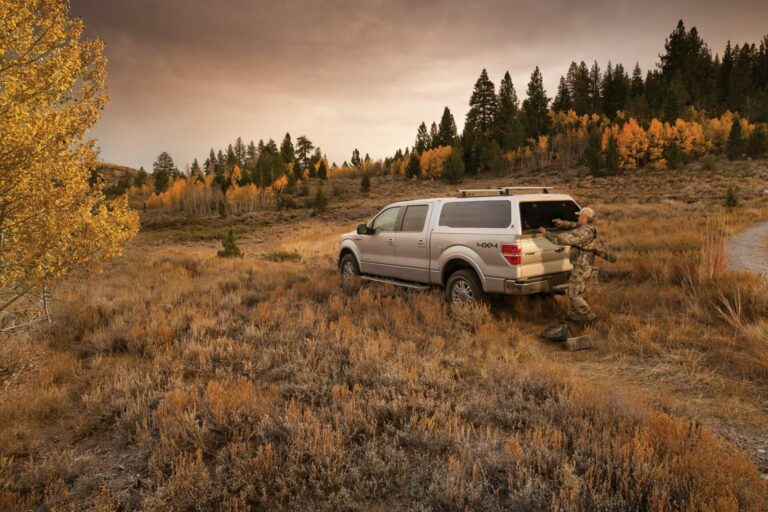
(433, 136)
(239, 151)
(287, 150)
(595, 82)
(251, 157)
(446, 133)
(141, 178)
(365, 183)
(454, 166)
(562, 102)
(355, 160)
(615, 90)
(422, 139)
(735, 147)
(673, 154)
(593, 154)
(303, 148)
(483, 104)
(491, 158)
(687, 56)
(231, 158)
(636, 104)
(510, 132)
(322, 170)
(162, 170)
(414, 166)
(757, 144)
(612, 156)
(536, 106)
(195, 171)
(676, 98)
(229, 246)
(210, 163)
(578, 86)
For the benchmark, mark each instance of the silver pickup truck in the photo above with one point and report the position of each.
(483, 242)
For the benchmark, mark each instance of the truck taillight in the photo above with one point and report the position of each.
(512, 253)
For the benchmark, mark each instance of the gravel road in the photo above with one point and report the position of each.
(749, 250)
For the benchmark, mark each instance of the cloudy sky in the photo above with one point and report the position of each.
(188, 75)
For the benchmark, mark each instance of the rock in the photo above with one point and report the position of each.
(556, 332)
(578, 343)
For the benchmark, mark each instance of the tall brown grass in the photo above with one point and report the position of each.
(177, 381)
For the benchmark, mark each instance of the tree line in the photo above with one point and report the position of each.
(687, 81)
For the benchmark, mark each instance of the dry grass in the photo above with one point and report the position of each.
(176, 380)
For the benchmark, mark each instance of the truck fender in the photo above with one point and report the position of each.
(460, 252)
(349, 246)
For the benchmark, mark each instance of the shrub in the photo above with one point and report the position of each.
(320, 202)
(709, 163)
(281, 256)
(365, 183)
(732, 197)
(229, 246)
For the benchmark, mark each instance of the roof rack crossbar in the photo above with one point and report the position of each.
(502, 191)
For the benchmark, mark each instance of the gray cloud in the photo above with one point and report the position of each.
(185, 75)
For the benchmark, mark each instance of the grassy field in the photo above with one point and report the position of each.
(176, 380)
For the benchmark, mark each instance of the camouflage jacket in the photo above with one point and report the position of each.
(582, 239)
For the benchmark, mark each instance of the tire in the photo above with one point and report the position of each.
(463, 287)
(348, 266)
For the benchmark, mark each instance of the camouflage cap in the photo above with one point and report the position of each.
(587, 212)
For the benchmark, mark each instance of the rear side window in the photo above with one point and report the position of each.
(476, 214)
(537, 214)
(414, 218)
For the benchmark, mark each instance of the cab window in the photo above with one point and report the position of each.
(385, 221)
(414, 218)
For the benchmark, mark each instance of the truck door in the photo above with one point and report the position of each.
(412, 248)
(378, 249)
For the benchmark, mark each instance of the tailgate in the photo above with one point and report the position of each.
(542, 257)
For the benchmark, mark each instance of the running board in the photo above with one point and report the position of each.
(405, 284)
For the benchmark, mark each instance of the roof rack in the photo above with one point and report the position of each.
(500, 191)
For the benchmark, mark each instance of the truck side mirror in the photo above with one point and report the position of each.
(362, 229)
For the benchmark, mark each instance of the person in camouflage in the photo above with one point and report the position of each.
(582, 239)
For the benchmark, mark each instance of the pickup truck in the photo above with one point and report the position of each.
(483, 242)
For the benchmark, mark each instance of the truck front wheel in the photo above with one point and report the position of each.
(463, 287)
(348, 266)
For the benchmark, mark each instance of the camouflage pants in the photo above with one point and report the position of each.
(579, 310)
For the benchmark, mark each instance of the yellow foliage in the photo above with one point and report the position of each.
(346, 170)
(689, 135)
(51, 93)
(433, 161)
(658, 135)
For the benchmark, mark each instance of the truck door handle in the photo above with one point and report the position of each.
(420, 243)
(391, 241)
(560, 249)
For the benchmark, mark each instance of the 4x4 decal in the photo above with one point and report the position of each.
(488, 245)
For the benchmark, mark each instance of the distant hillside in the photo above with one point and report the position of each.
(111, 174)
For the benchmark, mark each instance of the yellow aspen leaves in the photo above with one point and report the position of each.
(51, 93)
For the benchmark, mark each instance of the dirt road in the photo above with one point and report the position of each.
(749, 250)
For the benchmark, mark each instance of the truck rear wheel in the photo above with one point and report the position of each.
(348, 266)
(463, 287)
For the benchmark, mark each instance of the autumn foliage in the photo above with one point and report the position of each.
(51, 92)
